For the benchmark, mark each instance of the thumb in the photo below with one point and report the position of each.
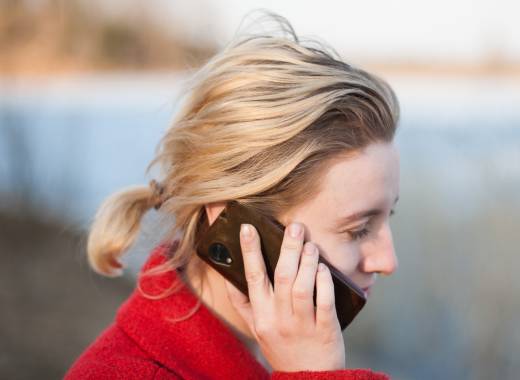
(240, 302)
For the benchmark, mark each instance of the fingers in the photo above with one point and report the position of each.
(258, 284)
(296, 275)
(325, 307)
(287, 268)
(303, 288)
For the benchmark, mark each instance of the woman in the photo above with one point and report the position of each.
(290, 130)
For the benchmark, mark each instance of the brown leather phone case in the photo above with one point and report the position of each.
(220, 248)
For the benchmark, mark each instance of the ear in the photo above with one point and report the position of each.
(213, 210)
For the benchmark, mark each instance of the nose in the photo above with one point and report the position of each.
(381, 257)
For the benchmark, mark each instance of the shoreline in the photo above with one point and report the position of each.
(445, 70)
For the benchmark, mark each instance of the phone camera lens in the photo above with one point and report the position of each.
(220, 254)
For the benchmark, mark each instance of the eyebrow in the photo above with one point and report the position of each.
(360, 215)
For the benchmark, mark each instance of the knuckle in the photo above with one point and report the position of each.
(285, 330)
(283, 276)
(249, 249)
(291, 245)
(309, 261)
(310, 249)
(301, 293)
(262, 328)
(325, 306)
(248, 245)
(255, 277)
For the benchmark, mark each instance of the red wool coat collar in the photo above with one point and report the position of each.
(201, 346)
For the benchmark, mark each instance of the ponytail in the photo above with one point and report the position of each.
(116, 225)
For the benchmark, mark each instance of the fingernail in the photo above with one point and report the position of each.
(246, 231)
(321, 267)
(295, 229)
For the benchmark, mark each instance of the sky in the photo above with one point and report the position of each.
(458, 31)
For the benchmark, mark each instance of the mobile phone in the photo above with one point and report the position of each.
(219, 246)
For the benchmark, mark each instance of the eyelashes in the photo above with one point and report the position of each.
(356, 235)
(360, 234)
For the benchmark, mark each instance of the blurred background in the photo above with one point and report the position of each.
(88, 87)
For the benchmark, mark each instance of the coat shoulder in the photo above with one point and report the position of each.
(114, 355)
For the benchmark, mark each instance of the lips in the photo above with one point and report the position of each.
(367, 289)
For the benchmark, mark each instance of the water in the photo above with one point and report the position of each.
(451, 309)
(83, 137)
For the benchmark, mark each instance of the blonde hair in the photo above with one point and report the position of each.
(261, 121)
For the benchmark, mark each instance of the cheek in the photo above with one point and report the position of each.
(340, 252)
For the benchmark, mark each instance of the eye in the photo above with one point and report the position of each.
(359, 234)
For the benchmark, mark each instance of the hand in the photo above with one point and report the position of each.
(293, 335)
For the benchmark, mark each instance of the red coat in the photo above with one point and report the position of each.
(141, 344)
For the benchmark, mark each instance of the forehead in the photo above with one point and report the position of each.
(366, 180)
